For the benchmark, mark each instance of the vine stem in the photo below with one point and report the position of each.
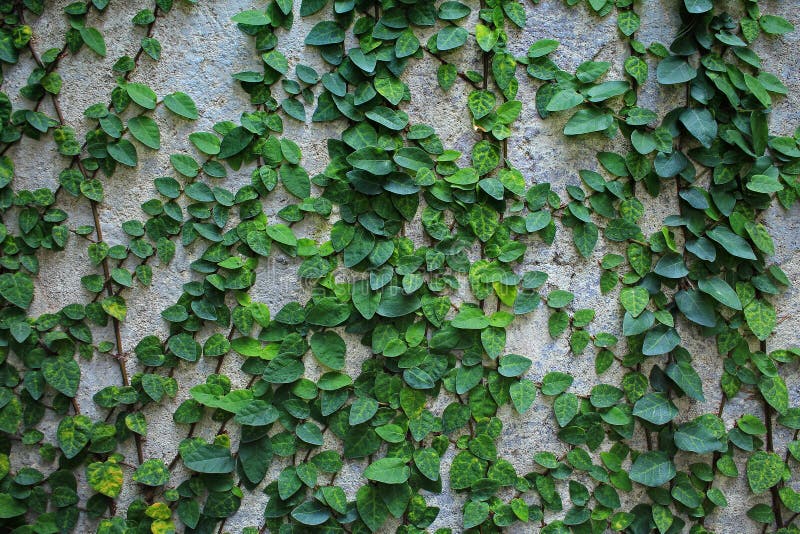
(770, 444)
(122, 359)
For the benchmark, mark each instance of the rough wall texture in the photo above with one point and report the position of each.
(202, 47)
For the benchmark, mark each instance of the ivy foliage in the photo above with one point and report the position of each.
(426, 410)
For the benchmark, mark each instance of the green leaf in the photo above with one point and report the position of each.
(295, 180)
(775, 25)
(542, 47)
(523, 393)
(702, 435)
(182, 105)
(136, 423)
(698, 6)
(10, 507)
(294, 109)
(328, 312)
(453, 10)
(701, 124)
(234, 142)
(373, 160)
(309, 433)
(124, 152)
(142, 95)
(652, 469)
(556, 382)
(428, 462)
(17, 289)
(660, 340)
(335, 498)
(513, 365)
(481, 103)
(362, 410)
(735, 245)
(257, 413)
(252, 18)
(206, 458)
(655, 408)
(761, 183)
(115, 307)
(94, 40)
(565, 408)
(565, 99)
(446, 76)
(590, 71)
(686, 378)
(558, 298)
(92, 189)
(451, 37)
(587, 121)
(145, 130)
(105, 478)
(388, 471)
(186, 165)
(63, 375)
(470, 318)
(585, 236)
(418, 378)
(758, 90)
(483, 221)
(696, 307)
(775, 392)
(371, 508)
(673, 70)
(205, 142)
(486, 37)
(152, 472)
(329, 349)
(465, 470)
(395, 303)
(671, 265)
(485, 157)
(764, 470)
(504, 67)
(390, 87)
(152, 47)
(508, 113)
(761, 318)
(637, 69)
(634, 299)
(311, 513)
(721, 291)
(282, 234)
(760, 237)
(628, 22)
(392, 119)
(309, 7)
(73, 435)
(475, 513)
(516, 13)
(406, 44)
(325, 33)
(413, 158)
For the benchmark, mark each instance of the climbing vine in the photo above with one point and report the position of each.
(417, 257)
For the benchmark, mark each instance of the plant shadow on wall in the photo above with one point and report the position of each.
(422, 414)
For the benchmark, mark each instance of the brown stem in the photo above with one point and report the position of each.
(776, 499)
